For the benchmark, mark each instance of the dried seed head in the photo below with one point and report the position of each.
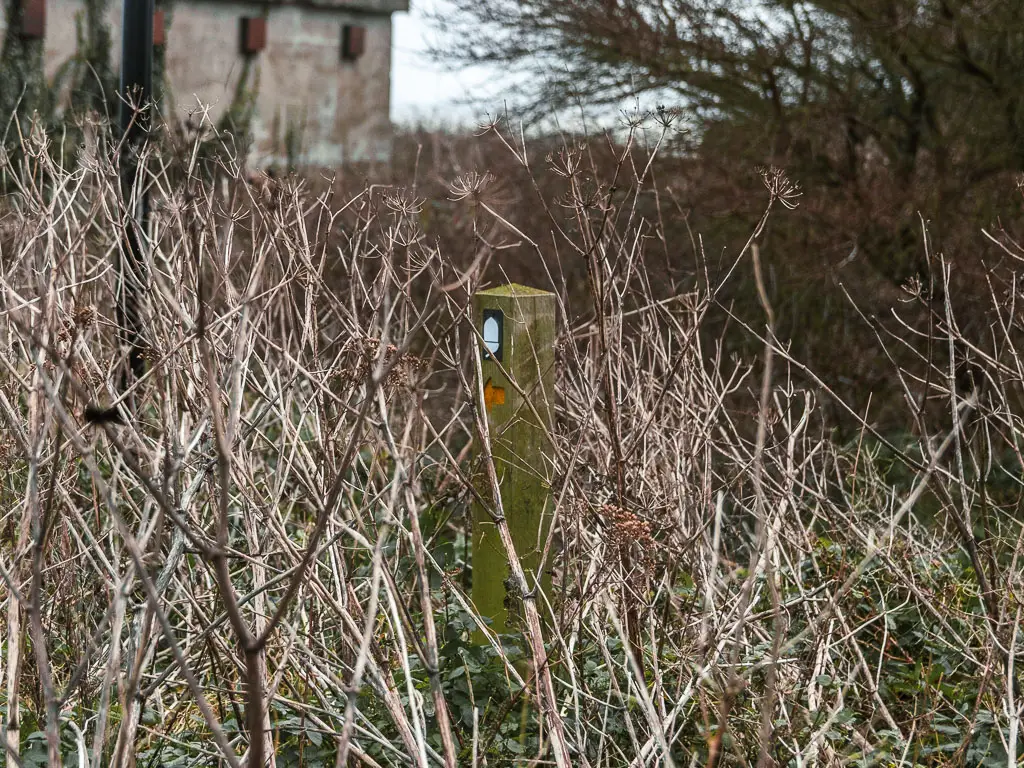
(401, 202)
(780, 187)
(359, 358)
(469, 185)
(630, 535)
(84, 315)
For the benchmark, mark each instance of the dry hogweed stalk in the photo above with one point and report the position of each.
(256, 559)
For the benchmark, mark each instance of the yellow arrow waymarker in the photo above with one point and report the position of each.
(493, 395)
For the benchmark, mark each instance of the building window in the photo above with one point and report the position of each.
(33, 19)
(254, 35)
(353, 42)
(159, 37)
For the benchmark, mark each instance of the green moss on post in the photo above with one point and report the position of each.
(519, 444)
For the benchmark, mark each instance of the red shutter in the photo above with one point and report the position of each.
(353, 42)
(254, 34)
(33, 19)
(158, 27)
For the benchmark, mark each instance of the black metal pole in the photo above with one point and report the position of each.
(136, 61)
(136, 94)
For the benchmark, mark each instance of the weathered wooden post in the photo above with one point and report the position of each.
(518, 368)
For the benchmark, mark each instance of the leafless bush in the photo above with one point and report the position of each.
(265, 563)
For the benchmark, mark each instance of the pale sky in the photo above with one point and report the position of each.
(424, 92)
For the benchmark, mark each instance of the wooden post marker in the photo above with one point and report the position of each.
(518, 328)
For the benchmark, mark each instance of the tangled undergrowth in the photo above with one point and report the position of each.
(266, 559)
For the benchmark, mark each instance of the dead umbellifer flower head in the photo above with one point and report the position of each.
(913, 287)
(629, 535)
(780, 187)
(400, 202)
(469, 185)
(86, 374)
(566, 162)
(83, 315)
(359, 357)
(487, 126)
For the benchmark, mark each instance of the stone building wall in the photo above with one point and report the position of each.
(312, 106)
